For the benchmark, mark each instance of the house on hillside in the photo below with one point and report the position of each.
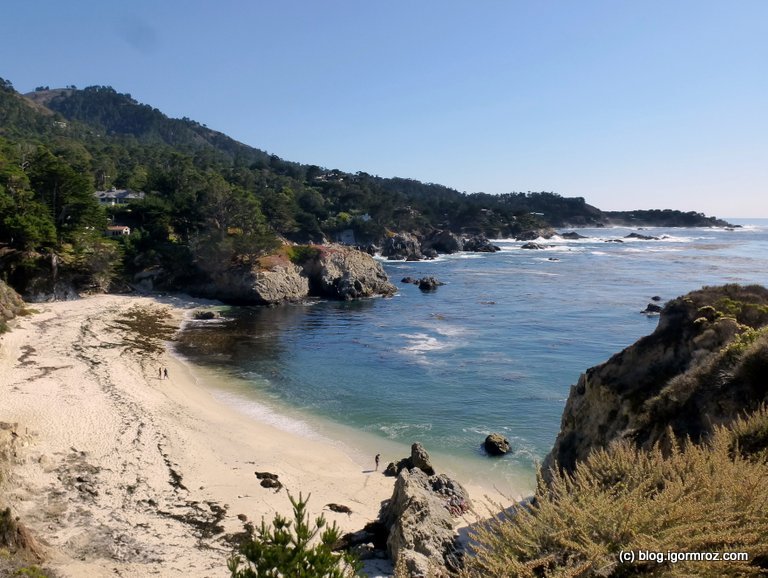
(117, 231)
(118, 196)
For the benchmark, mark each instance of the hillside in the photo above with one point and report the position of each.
(209, 200)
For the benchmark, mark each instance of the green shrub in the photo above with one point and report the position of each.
(299, 254)
(31, 572)
(288, 549)
(699, 498)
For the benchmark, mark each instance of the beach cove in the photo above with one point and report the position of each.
(125, 473)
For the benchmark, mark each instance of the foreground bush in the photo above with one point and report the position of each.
(707, 498)
(287, 549)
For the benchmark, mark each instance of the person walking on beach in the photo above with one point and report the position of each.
(378, 456)
(160, 373)
(165, 373)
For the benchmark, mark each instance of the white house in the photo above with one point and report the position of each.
(118, 196)
(117, 231)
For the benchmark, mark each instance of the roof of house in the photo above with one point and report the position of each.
(116, 194)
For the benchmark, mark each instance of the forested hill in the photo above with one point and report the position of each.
(208, 199)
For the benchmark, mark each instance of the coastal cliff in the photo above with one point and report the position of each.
(704, 365)
(662, 455)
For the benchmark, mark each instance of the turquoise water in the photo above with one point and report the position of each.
(494, 349)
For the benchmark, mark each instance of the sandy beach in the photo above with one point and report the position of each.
(124, 473)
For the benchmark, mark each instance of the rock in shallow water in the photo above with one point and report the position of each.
(496, 445)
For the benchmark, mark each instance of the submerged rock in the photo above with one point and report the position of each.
(641, 237)
(572, 235)
(429, 283)
(652, 309)
(205, 314)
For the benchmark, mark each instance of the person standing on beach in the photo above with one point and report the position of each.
(160, 373)
(378, 456)
(165, 373)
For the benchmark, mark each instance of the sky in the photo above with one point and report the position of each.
(629, 104)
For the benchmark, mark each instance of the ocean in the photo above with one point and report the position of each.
(495, 349)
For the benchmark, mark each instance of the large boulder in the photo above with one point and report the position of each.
(420, 519)
(343, 273)
(479, 244)
(496, 445)
(429, 283)
(641, 237)
(533, 234)
(281, 282)
(573, 235)
(402, 246)
(418, 459)
(442, 241)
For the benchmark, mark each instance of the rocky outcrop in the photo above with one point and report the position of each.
(532, 246)
(640, 237)
(328, 271)
(281, 282)
(419, 458)
(41, 277)
(479, 244)
(420, 522)
(341, 273)
(533, 234)
(496, 445)
(704, 364)
(572, 235)
(420, 517)
(11, 304)
(652, 309)
(442, 241)
(429, 283)
(402, 246)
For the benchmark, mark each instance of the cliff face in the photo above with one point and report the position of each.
(342, 273)
(706, 363)
(10, 304)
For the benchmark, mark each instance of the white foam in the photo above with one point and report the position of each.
(421, 343)
(265, 414)
(400, 430)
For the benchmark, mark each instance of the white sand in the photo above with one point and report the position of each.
(122, 468)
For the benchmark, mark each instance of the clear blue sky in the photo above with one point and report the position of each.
(630, 104)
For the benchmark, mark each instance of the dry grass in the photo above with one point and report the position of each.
(711, 497)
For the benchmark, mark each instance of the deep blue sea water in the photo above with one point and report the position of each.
(494, 349)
